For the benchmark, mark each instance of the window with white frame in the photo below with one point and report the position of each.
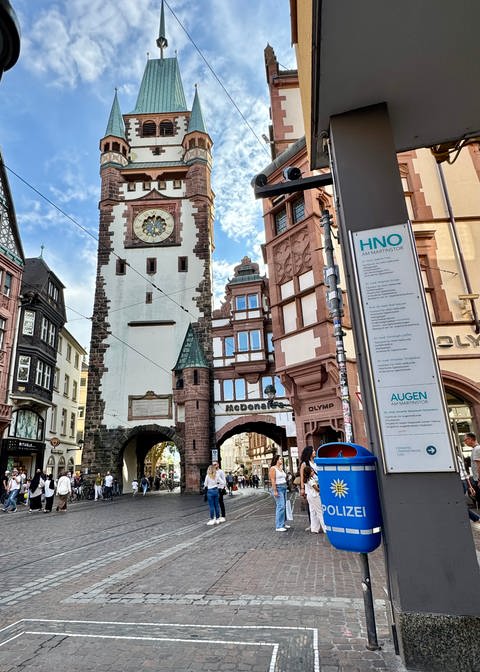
(228, 390)
(74, 390)
(43, 374)
(63, 425)
(77, 360)
(23, 370)
(56, 379)
(66, 385)
(44, 330)
(3, 325)
(28, 323)
(241, 302)
(68, 355)
(53, 291)
(229, 344)
(275, 381)
(73, 421)
(240, 392)
(53, 419)
(7, 283)
(234, 390)
(60, 345)
(249, 340)
(52, 334)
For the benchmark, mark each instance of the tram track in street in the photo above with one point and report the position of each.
(241, 509)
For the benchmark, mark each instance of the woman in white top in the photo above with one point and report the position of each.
(212, 483)
(49, 493)
(278, 480)
(312, 492)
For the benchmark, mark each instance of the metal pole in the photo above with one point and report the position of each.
(368, 602)
(334, 303)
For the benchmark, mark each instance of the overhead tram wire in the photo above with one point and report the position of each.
(82, 316)
(123, 342)
(245, 120)
(96, 239)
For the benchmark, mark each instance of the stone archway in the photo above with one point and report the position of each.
(108, 449)
(265, 425)
(136, 443)
(262, 424)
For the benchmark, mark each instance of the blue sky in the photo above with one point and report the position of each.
(55, 102)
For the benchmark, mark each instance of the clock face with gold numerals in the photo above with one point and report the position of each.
(153, 226)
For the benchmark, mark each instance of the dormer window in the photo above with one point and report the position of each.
(166, 128)
(149, 129)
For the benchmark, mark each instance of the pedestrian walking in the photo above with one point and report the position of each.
(222, 490)
(13, 488)
(35, 492)
(5, 480)
(134, 487)
(144, 484)
(230, 481)
(98, 486)
(211, 484)
(108, 487)
(64, 488)
(278, 480)
(470, 440)
(49, 493)
(467, 487)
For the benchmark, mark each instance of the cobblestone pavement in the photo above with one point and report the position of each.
(143, 584)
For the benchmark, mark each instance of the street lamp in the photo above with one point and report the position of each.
(9, 37)
(271, 393)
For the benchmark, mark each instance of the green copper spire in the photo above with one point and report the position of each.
(162, 42)
(191, 355)
(161, 89)
(196, 122)
(115, 125)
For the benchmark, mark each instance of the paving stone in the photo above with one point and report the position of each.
(144, 585)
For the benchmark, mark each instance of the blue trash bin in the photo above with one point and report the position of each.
(347, 480)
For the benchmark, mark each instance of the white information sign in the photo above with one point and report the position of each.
(407, 388)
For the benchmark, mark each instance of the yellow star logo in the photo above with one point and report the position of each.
(339, 488)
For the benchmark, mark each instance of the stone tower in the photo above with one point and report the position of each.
(153, 285)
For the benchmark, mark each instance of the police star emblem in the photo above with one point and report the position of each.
(339, 488)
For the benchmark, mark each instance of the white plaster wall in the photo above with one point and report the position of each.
(127, 371)
(300, 347)
(294, 115)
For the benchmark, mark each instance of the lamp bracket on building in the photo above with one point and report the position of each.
(263, 190)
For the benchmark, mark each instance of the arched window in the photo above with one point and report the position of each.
(61, 466)
(50, 469)
(149, 129)
(115, 146)
(166, 128)
(106, 147)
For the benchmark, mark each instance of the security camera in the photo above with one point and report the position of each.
(260, 180)
(292, 173)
